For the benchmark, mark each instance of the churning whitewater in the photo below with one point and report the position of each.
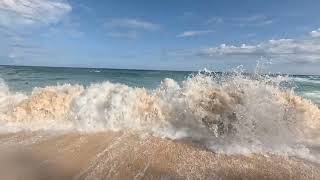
(234, 114)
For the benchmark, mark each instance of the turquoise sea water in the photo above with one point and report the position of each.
(24, 79)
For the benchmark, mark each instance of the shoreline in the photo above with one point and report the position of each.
(118, 155)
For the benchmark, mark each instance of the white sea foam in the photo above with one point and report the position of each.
(235, 114)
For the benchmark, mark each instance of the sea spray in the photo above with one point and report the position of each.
(230, 113)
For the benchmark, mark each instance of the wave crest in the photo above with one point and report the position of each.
(223, 113)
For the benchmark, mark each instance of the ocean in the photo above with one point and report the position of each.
(25, 79)
(93, 123)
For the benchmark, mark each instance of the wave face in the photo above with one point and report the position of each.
(233, 114)
(308, 87)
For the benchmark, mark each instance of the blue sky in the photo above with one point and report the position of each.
(166, 34)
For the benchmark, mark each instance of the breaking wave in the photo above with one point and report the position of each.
(228, 114)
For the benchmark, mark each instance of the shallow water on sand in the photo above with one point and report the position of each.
(119, 155)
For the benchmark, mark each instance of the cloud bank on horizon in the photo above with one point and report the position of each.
(299, 51)
(159, 35)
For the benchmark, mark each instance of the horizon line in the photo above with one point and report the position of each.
(166, 70)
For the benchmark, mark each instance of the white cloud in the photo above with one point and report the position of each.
(128, 23)
(128, 27)
(129, 34)
(21, 49)
(315, 33)
(32, 12)
(255, 20)
(194, 33)
(19, 52)
(285, 50)
(215, 20)
(19, 19)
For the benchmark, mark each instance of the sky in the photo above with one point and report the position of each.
(164, 35)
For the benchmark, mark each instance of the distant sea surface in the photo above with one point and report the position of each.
(23, 78)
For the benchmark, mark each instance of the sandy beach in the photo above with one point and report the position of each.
(113, 155)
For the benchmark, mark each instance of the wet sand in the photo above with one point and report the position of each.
(110, 155)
